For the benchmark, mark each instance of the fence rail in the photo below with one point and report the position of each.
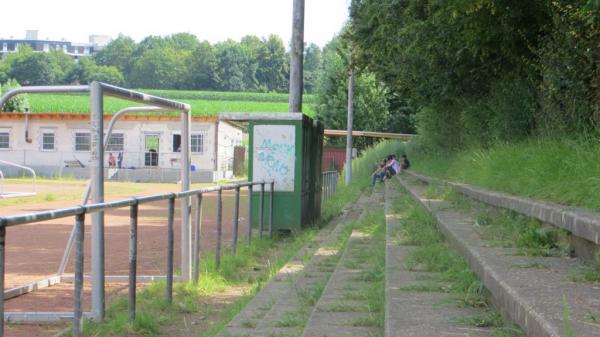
(79, 212)
(329, 183)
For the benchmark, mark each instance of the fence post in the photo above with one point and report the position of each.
(78, 287)
(2, 272)
(133, 222)
(219, 228)
(271, 210)
(197, 237)
(261, 205)
(236, 216)
(170, 244)
(249, 229)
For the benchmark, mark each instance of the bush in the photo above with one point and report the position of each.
(18, 103)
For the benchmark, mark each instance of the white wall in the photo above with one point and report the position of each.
(229, 137)
(134, 132)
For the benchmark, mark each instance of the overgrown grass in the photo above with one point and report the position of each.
(563, 171)
(449, 272)
(239, 270)
(506, 228)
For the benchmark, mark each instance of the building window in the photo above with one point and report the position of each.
(48, 140)
(197, 143)
(82, 141)
(176, 142)
(5, 46)
(4, 139)
(116, 142)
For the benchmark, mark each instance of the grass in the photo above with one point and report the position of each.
(154, 312)
(448, 271)
(506, 228)
(203, 104)
(563, 171)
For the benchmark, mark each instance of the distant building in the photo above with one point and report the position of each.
(73, 49)
(58, 144)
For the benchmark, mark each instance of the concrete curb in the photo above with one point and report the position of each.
(582, 223)
(531, 297)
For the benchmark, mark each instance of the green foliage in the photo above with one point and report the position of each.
(88, 71)
(477, 72)
(209, 106)
(564, 171)
(19, 103)
(371, 111)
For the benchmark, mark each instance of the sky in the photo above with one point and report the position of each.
(212, 20)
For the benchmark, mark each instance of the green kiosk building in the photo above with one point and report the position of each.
(285, 148)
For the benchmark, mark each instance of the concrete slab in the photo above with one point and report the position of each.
(532, 297)
(410, 313)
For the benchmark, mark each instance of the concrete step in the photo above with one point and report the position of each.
(534, 297)
(416, 314)
(284, 305)
(339, 312)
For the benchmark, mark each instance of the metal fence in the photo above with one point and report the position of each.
(79, 213)
(329, 183)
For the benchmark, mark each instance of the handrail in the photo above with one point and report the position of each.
(24, 168)
(22, 219)
(80, 211)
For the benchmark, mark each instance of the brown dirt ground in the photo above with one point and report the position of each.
(33, 251)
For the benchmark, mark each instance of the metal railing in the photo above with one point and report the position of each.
(79, 213)
(329, 183)
(28, 169)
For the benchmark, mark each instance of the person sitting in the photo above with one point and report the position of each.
(404, 162)
(379, 173)
(392, 166)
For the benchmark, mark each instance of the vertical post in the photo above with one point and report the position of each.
(349, 135)
(197, 237)
(186, 230)
(78, 286)
(219, 227)
(297, 57)
(236, 216)
(97, 177)
(271, 209)
(249, 229)
(2, 273)
(170, 243)
(133, 222)
(261, 203)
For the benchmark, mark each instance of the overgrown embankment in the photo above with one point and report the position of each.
(566, 171)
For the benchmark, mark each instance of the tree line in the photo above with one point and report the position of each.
(178, 61)
(482, 71)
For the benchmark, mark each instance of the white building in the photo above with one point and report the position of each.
(58, 144)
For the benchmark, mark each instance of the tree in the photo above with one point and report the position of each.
(203, 68)
(161, 68)
(371, 111)
(19, 103)
(87, 71)
(232, 67)
(118, 53)
(35, 69)
(272, 72)
(313, 59)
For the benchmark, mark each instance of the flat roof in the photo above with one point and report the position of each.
(258, 116)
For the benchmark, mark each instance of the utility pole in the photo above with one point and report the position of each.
(297, 57)
(350, 121)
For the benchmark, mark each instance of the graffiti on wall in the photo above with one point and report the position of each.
(274, 155)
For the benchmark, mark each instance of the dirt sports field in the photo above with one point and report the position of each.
(34, 251)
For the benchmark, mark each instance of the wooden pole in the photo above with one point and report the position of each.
(297, 58)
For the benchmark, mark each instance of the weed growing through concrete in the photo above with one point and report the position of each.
(447, 271)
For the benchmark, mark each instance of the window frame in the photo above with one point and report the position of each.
(8, 132)
(43, 132)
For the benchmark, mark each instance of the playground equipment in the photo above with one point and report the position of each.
(6, 194)
(97, 92)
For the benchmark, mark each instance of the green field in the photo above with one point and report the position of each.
(204, 103)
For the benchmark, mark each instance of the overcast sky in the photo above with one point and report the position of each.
(212, 20)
